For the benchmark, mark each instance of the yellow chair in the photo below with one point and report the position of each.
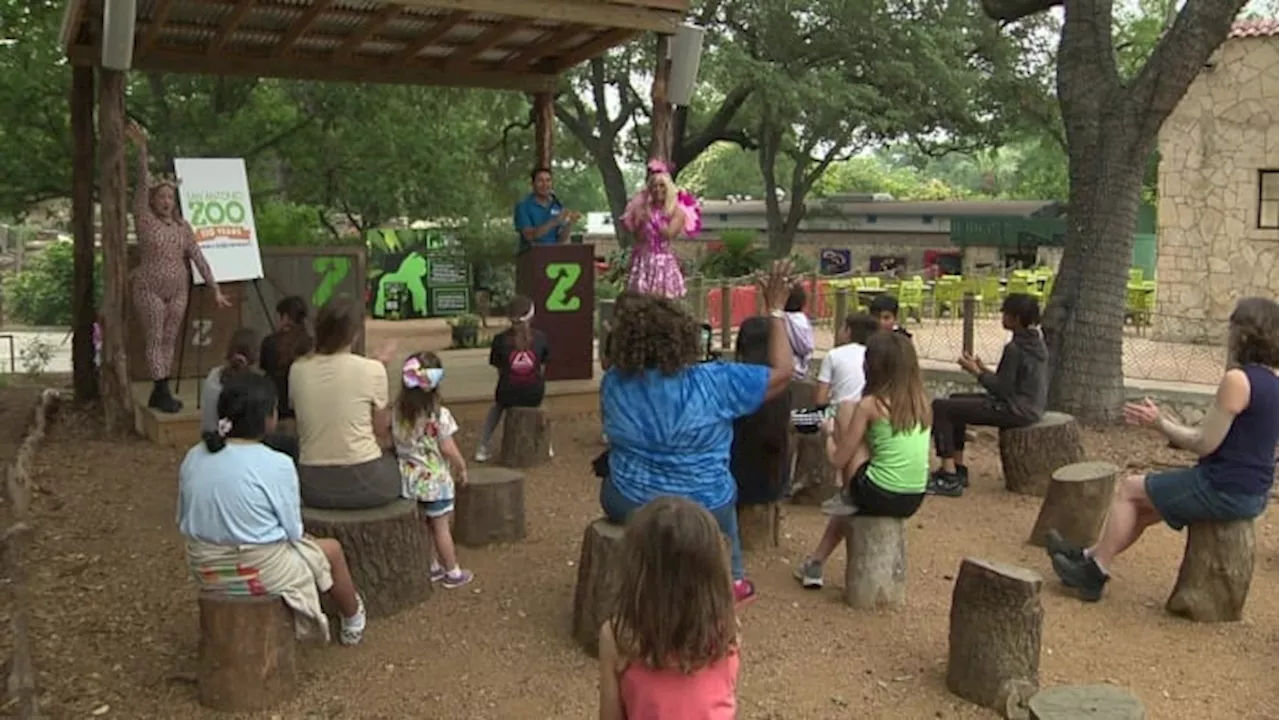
(990, 294)
(911, 300)
(1135, 275)
(948, 293)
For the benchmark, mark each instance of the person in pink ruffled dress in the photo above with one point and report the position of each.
(658, 215)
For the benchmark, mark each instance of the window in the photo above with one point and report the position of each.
(871, 219)
(1268, 199)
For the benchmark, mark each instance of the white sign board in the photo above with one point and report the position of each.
(214, 193)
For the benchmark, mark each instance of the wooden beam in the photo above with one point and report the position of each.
(117, 400)
(323, 69)
(229, 25)
(159, 16)
(370, 28)
(84, 372)
(299, 28)
(585, 12)
(545, 45)
(592, 48)
(484, 41)
(435, 33)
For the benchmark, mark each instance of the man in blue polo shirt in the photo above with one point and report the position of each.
(540, 218)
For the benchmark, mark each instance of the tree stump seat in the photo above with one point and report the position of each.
(1029, 455)
(875, 562)
(759, 526)
(813, 479)
(1216, 572)
(526, 437)
(1076, 503)
(387, 549)
(248, 653)
(1086, 702)
(993, 656)
(598, 582)
(490, 508)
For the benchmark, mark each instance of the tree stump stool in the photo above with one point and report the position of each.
(813, 479)
(490, 509)
(1086, 702)
(759, 526)
(1217, 569)
(598, 582)
(875, 550)
(1029, 455)
(387, 550)
(526, 437)
(993, 656)
(1076, 503)
(248, 653)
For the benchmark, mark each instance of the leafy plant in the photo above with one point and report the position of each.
(736, 255)
(290, 225)
(36, 355)
(41, 293)
(464, 320)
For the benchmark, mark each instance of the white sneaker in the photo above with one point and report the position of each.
(353, 627)
(482, 454)
(551, 452)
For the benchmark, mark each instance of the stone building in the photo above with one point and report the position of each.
(1217, 218)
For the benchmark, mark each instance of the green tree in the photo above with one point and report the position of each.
(1112, 107)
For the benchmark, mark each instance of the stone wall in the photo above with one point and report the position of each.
(1210, 249)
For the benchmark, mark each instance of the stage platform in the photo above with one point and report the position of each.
(468, 381)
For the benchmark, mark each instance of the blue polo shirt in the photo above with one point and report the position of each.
(530, 214)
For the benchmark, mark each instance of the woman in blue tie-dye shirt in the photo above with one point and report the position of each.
(670, 418)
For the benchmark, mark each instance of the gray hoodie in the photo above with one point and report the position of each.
(1021, 380)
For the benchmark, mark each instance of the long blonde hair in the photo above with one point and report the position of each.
(669, 191)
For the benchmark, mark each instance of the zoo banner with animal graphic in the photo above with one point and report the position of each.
(420, 273)
(214, 193)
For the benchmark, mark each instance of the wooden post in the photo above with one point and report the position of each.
(660, 118)
(697, 298)
(117, 401)
(84, 374)
(544, 128)
(966, 324)
(726, 315)
(841, 311)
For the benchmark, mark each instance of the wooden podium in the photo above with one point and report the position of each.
(561, 281)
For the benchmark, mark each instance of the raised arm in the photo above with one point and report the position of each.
(776, 286)
(1232, 398)
(675, 225)
(142, 188)
(1002, 383)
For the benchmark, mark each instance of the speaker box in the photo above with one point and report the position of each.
(118, 23)
(686, 54)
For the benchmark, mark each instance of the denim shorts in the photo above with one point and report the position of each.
(435, 508)
(1185, 496)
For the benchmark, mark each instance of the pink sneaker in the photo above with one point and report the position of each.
(744, 592)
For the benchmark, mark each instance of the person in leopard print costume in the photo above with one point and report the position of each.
(161, 284)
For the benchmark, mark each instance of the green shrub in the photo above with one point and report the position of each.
(738, 255)
(41, 293)
(292, 225)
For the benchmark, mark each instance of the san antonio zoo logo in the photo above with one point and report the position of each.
(219, 218)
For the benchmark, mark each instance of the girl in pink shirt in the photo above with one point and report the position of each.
(670, 649)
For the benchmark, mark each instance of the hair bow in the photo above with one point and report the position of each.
(527, 316)
(415, 375)
(657, 166)
(224, 427)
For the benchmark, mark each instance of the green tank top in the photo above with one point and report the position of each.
(899, 461)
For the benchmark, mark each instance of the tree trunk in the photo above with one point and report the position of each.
(84, 373)
(1073, 702)
(1030, 455)
(526, 437)
(1216, 572)
(759, 526)
(598, 581)
(875, 562)
(1076, 504)
(490, 508)
(117, 400)
(814, 479)
(660, 114)
(994, 644)
(248, 653)
(387, 550)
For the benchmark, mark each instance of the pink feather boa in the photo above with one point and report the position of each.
(632, 217)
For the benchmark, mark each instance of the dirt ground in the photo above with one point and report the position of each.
(116, 623)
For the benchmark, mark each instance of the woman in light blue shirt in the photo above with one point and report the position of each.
(240, 511)
(670, 419)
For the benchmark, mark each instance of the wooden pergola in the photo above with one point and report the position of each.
(519, 45)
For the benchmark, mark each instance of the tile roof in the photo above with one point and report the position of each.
(1255, 27)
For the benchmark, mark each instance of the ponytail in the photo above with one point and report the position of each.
(213, 441)
(242, 354)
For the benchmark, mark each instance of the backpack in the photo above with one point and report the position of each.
(522, 367)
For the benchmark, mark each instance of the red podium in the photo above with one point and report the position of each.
(561, 281)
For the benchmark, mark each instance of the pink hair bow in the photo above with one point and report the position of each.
(657, 166)
(414, 375)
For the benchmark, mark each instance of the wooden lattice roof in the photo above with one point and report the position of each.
(507, 44)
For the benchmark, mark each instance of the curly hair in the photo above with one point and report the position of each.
(653, 333)
(1254, 337)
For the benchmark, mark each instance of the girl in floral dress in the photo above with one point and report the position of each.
(658, 215)
(423, 430)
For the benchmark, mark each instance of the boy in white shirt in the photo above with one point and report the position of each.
(841, 377)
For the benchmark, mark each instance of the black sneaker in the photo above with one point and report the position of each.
(1055, 544)
(945, 484)
(1082, 575)
(962, 471)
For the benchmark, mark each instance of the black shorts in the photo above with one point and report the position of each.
(873, 500)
